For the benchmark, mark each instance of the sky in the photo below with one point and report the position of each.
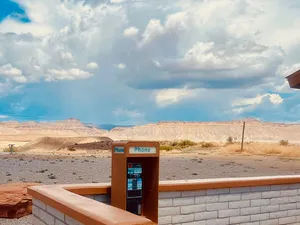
(139, 61)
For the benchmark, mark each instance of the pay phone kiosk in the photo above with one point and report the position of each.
(135, 177)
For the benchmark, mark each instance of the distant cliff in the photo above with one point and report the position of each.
(175, 130)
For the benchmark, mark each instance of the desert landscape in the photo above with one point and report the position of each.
(72, 152)
(72, 137)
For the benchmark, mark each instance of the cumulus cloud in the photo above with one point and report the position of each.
(65, 40)
(12, 73)
(131, 32)
(178, 48)
(153, 30)
(9, 70)
(168, 97)
(128, 116)
(250, 104)
(92, 65)
(71, 74)
(120, 66)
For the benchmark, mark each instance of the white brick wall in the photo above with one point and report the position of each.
(271, 204)
(46, 215)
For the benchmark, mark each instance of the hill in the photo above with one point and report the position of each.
(210, 131)
(256, 130)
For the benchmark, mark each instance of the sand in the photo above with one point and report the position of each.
(70, 169)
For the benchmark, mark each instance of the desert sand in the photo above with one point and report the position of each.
(72, 152)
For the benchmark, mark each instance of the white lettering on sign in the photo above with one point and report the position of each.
(142, 150)
(118, 149)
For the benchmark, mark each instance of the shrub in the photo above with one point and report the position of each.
(284, 142)
(207, 145)
(185, 144)
(71, 149)
(230, 140)
(6, 150)
(166, 147)
(174, 143)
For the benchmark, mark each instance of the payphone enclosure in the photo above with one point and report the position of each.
(135, 177)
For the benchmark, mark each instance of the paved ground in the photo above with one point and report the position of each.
(51, 170)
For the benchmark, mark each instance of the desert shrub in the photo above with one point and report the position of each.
(166, 147)
(6, 150)
(207, 145)
(174, 143)
(284, 142)
(185, 143)
(230, 140)
(71, 149)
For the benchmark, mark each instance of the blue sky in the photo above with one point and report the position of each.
(135, 62)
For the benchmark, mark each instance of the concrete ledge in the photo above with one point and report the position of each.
(84, 210)
(190, 185)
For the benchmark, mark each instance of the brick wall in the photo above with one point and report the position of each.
(274, 204)
(277, 204)
(46, 215)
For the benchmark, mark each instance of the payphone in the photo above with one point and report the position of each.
(134, 188)
(135, 177)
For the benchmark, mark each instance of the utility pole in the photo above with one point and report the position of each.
(243, 136)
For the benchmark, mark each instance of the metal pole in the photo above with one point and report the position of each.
(243, 136)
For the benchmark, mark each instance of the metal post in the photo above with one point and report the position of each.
(11, 148)
(243, 136)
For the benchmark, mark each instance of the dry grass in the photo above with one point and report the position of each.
(263, 149)
(185, 145)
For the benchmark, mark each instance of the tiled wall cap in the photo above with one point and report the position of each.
(190, 185)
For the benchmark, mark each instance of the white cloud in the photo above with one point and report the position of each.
(131, 32)
(20, 79)
(12, 73)
(67, 56)
(212, 45)
(168, 97)
(132, 114)
(250, 104)
(92, 65)
(65, 40)
(120, 66)
(13, 26)
(274, 99)
(70, 74)
(153, 30)
(117, 1)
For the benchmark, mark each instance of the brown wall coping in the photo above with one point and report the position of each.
(191, 185)
(84, 210)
